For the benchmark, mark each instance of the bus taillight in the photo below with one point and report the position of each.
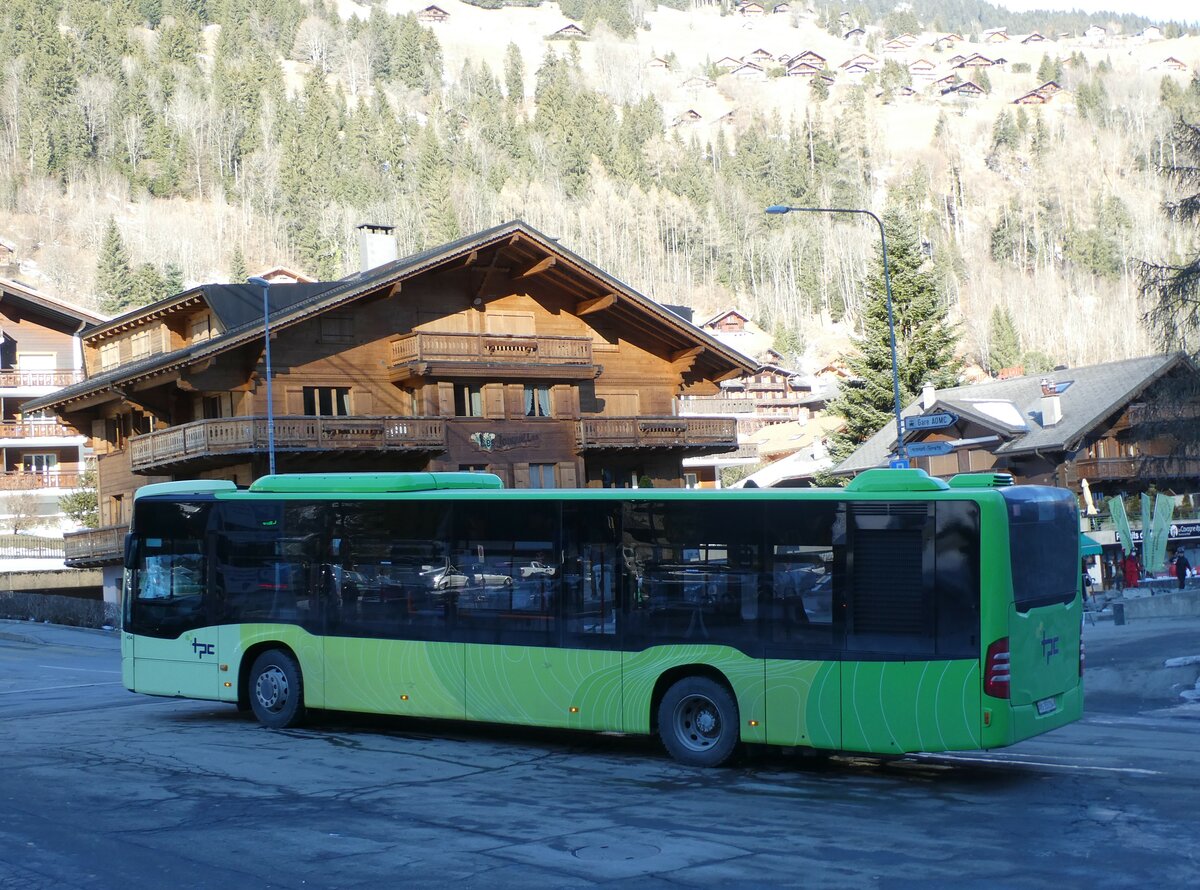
(996, 673)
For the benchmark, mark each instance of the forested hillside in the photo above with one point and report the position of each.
(145, 144)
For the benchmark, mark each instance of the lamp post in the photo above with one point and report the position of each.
(887, 284)
(266, 290)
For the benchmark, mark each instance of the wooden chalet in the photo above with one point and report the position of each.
(965, 90)
(895, 45)
(810, 57)
(502, 351)
(752, 9)
(749, 69)
(759, 56)
(1033, 97)
(922, 68)
(569, 32)
(946, 41)
(727, 63)
(696, 82)
(1104, 423)
(1095, 34)
(854, 34)
(657, 64)
(39, 353)
(781, 8)
(865, 61)
(1049, 88)
(691, 116)
(803, 69)
(953, 61)
(996, 35)
(944, 83)
(1170, 63)
(1035, 37)
(432, 15)
(976, 61)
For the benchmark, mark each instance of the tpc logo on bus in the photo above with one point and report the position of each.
(202, 649)
(1049, 646)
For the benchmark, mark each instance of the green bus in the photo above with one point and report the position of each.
(901, 613)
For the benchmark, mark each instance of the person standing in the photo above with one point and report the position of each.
(1182, 567)
(1131, 571)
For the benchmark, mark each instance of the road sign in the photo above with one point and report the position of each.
(929, 421)
(898, 463)
(928, 449)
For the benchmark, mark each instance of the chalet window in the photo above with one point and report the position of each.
(139, 344)
(39, 463)
(110, 355)
(537, 401)
(336, 329)
(541, 476)
(327, 401)
(212, 407)
(201, 329)
(690, 480)
(468, 400)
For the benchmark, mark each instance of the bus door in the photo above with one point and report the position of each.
(174, 644)
(803, 630)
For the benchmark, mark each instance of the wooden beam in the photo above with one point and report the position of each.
(729, 375)
(686, 353)
(586, 307)
(537, 268)
(469, 259)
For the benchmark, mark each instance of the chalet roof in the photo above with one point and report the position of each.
(522, 244)
(722, 314)
(865, 59)
(1013, 407)
(853, 32)
(67, 314)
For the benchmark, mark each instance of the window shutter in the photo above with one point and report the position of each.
(100, 443)
(445, 399)
(520, 475)
(493, 400)
(566, 475)
(294, 401)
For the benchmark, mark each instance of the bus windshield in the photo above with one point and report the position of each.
(1043, 525)
(169, 569)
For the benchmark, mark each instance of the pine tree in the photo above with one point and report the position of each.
(439, 221)
(925, 340)
(172, 279)
(237, 265)
(147, 285)
(1004, 343)
(114, 279)
(514, 74)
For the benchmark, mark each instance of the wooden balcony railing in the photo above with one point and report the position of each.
(51, 378)
(34, 429)
(32, 481)
(96, 546)
(1148, 467)
(491, 349)
(658, 432)
(207, 439)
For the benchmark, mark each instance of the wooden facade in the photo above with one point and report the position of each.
(501, 352)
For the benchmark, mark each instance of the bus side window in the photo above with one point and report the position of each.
(592, 570)
(803, 575)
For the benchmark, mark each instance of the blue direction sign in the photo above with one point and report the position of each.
(929, 421)
(928, 449)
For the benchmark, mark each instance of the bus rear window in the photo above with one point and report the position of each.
(1044, 545)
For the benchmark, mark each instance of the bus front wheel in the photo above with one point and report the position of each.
(698, 722)
(276, 690)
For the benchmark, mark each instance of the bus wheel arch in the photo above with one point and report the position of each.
(271, 684)
(694, 711)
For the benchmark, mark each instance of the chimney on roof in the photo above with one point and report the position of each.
(928, 396)
(1051, 404)
(376, 245)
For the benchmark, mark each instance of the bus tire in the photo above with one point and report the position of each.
(277, 690)
(698, 722)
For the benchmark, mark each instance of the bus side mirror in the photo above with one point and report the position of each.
(129, 551)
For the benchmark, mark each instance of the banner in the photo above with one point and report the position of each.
(1148, 528)
(1116, 509)
(1164, 507)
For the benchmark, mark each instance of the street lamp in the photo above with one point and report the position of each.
(266, 290)
(887, 283)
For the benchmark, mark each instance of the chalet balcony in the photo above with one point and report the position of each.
(1146, 467)
(95, 547)
(51, 379)
(432, 354)
(38, 481)
(699, 435)
(35, 429)
(208, 443)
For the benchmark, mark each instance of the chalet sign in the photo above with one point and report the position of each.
(930, 422)
(928, 449)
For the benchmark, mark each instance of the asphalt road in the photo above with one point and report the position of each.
(100, 788)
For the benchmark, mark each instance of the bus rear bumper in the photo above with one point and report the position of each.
(1039, 717)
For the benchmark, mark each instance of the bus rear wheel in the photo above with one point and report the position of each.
(698, 722)
(276, 690)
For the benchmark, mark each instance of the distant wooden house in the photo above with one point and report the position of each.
(803, 69)
(947, 41)
(1170, 63)
(904, 91)
(758, 56)
(697, 82)
(691, 116)
(895, 45)
(1049, 88)
(727, 63)
(854, 34)
(1035, 37)
(857, 69)
(922, 68)
(781, 8)
(862, 60)
(965, 90)
(810, 57)
(975, 61)
(1095, 34)
(1033, 97)
(1147, 34)
(954, 60)
(569, 32)
(996, 35)
(657, 64)
(752, 9)
(944, 83)
(748, 69)
(432, 15)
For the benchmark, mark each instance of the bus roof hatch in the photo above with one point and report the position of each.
(880, 479)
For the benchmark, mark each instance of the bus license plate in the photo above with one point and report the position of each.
(1046, 706)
